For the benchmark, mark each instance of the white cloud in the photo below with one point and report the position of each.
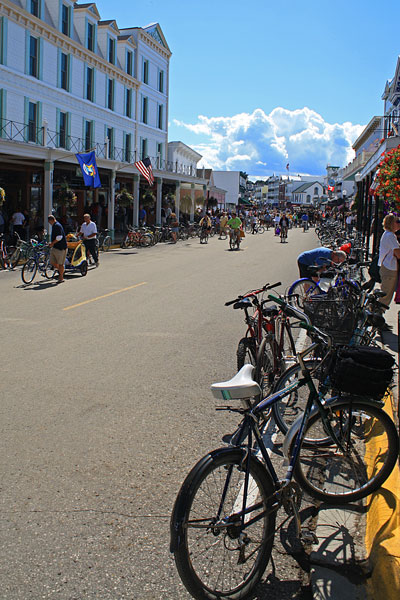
(261, 143)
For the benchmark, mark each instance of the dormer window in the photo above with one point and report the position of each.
(35, 8)
(111, 50)
(129, 63)
(90, 36)
(65, 19)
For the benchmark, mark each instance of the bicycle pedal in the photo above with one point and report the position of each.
(309, 537)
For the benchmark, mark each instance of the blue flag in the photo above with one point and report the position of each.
(89, 169)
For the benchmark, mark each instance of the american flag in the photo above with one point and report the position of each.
(144, 166)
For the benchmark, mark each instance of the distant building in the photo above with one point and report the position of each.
(234, 183)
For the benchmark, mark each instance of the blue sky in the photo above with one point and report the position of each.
(256, 85)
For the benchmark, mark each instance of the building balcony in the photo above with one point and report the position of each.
(42, 137)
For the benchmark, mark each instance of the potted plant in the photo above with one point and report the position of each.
(124, 198)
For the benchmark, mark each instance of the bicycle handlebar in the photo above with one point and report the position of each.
(266, 287)
(290, 310)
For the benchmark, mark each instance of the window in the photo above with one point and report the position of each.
(110, 94)
(145, 71)
(65, 19)
(145, 104)
(89, 83)
(159, 155)
(110, 137)
(62, 129)
(35, 7)
(160, 116)
(316, 192)
(127, 147)
(129, 63)
(128, 103)
(143, 148)
(33, 56)
(64, 69)
(88, 135)
(161, 81)
(90, 36)
(32, 121)
(111, 50)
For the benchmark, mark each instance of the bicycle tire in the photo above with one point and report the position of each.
(246, 353)
(232, 243)
(370, 453)
(107, 243)
(209, 560)
(146, 240)
(13, 259)
(261, 229)
(49, 270)
(29, 271)
(298, 292)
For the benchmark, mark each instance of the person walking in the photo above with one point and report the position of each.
(88, 232)
(18, 222)
(389, 252)
(58, 247)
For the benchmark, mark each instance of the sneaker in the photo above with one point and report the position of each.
(97, 264)
(386, 327)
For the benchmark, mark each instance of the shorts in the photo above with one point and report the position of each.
(175, 229)
(303, 270)
(57, 257)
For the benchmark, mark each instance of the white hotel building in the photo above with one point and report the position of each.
(70, 82)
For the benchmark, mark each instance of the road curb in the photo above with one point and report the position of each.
(382, 536)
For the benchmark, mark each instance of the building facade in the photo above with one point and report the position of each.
(69, 83)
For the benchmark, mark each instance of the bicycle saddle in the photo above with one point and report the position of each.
(244, 303)
(242, 385)
(270, 311)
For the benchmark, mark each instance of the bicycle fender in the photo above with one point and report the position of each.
(178, 513)
(331, 402)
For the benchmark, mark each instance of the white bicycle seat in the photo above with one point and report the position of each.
(242, 385)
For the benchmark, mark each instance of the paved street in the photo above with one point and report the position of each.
(105, 406)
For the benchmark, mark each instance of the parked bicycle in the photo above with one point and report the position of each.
(103, 240)
(40, 261)
(223, 521)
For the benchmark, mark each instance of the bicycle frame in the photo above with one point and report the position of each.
(249, 427)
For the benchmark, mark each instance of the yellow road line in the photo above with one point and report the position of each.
(105, 295)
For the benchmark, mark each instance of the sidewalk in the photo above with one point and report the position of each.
(358, 554)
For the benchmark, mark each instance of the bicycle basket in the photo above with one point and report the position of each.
(335, 317)
(362, 370)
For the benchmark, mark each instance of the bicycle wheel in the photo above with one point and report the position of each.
(146, 240)
(260, 229)
(368, 454)
(29, 271)
(301, 290)
(13, 258)
(246, 353)
(232, 243)
(49, 270)
(107, 243)
(215, 555)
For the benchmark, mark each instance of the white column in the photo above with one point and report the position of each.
(111, 204)
(193, 197)
(136, 181)
(48, 190)
(159, 201)
(177, 198)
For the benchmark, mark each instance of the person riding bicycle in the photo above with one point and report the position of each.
(222, 224)
(205, 223)
(304, 221)
(234, 225)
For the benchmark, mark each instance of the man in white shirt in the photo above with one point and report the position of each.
(88, 232)
(18, 220)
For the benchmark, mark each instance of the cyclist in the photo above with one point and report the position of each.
(222, 224)
(234, 225)
(205, 224)
(304, 221)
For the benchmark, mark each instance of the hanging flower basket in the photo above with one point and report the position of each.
(389, 180)
(148, 200)
(2, 196)
(124, 198)
(66, 196)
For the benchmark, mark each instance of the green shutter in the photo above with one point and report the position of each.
(26, 117)
(68, 131)
(58, 67)
(40, 59)
(39, 128)
(27, 47)
(4, 41)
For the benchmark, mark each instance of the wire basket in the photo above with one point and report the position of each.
(335, 317)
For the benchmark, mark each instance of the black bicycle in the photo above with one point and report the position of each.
(40, 261)
(223, 521)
